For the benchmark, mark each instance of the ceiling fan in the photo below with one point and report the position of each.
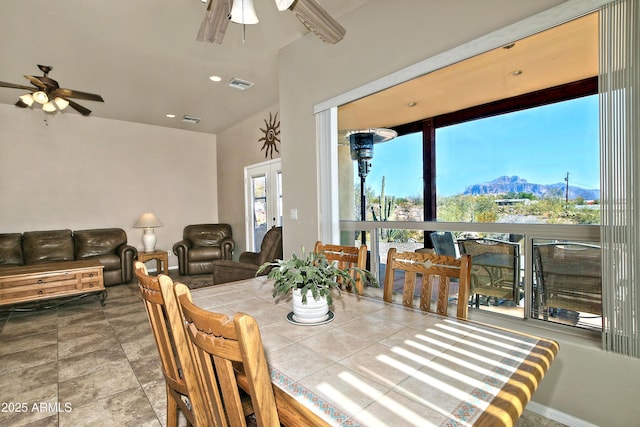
(47, 92)
(311, 13)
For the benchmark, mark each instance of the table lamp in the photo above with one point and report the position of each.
(148, 221)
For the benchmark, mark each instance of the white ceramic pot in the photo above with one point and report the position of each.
(313, 311)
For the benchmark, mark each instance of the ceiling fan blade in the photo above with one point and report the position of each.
(316, 18)
(35, 80)
(79, 108)
(69, 93)
(5, 84)
(215, 22)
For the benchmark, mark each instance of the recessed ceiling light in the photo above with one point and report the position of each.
(412, 104)
(509, 46)
(516, 72)
(215, 78)
(171, 116)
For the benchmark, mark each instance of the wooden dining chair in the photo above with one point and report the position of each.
(182, 385)
(345, 257)
(436, 272)
(230, 358)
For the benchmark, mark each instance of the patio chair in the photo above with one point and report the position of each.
(443, 243)
(345, 257)
(436, 271)
(569, 276)
(495, 268)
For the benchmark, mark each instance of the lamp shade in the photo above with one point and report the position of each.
(27, 99)
(61, 103)
(243, 12)
(49, 107)
(40, 97)
(147, 220)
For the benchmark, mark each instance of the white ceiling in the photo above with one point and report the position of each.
(143, 58)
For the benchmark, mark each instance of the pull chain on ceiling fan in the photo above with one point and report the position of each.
(50, 95)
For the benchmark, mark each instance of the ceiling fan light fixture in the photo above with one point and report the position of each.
(27, 99)
(49, 107)
(40, 97)
(243, 12)
(60, 103)
(284, 4)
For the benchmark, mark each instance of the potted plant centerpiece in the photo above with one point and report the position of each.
(311, 278)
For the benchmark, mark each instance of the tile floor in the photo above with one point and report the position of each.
(81, 364)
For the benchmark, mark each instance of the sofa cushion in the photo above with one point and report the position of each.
(11, 249)
(90, 243)
(43, 246)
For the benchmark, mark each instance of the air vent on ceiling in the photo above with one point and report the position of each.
(237, 83)
(190, 119)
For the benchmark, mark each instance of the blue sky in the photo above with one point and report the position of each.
(540, 145)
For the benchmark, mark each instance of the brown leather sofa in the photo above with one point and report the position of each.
(200, 245)
(107, 245)
(246, 267)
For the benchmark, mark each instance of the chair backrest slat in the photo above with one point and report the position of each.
(435, 271)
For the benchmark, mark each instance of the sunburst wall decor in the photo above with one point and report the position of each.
(271, 136)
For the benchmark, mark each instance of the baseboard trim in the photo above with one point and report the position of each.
(558, 416)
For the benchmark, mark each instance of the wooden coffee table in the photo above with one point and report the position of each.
(30, 283)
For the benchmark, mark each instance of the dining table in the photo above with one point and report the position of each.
(372, 363)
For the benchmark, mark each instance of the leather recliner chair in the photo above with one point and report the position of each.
(200, 245)
(249, 262)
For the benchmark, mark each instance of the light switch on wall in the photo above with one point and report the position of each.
(294, 214)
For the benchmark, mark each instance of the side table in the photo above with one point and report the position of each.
(161, 257)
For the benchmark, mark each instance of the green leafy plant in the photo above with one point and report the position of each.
(312, 272)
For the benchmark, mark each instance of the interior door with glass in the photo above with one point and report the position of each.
(263, 200)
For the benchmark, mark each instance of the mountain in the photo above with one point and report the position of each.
(515, 184)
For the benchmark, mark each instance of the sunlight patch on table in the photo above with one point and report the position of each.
(462, 363)
(388, 403)
(468, 354)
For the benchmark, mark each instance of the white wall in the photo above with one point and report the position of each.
(239, 146)
(85, 172)
(584, 383)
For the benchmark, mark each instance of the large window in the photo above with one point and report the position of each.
(490, 172)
